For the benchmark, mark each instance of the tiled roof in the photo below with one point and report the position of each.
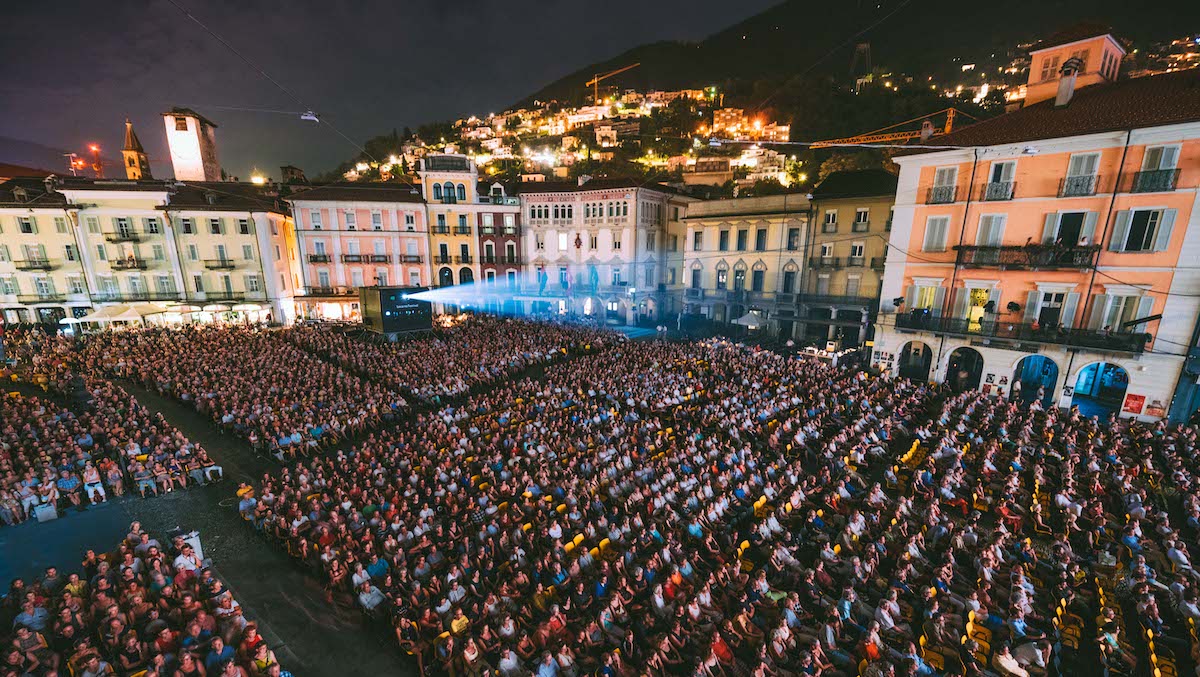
(177, 110)
(1138, 103)
(593, 184)
(85, 183)
(223, 196)
(856, 183)
(36, 194)
(360, 192)
(1080, 31)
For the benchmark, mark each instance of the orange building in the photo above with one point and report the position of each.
(1038, 247)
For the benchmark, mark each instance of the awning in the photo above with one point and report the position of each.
(246, 307)
(751, 320)
(117, 313)
(144, 309)
(215, 308)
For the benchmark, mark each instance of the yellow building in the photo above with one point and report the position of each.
(846, 248)
(42, 275)
(745, 256)
(70, 245)
(449, 185)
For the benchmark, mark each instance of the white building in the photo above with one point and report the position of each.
(192, 139)
(602, 248)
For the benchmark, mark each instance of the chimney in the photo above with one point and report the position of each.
(1066, 81)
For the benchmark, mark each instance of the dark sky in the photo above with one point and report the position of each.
(74, 70)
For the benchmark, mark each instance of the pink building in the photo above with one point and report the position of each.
(357, 235)
(1052, 247)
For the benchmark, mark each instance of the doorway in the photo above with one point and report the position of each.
(965, 369)
(1100, 389)
(914, 361)
(1034, 373)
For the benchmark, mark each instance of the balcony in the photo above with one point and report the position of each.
(837, 300)
(487, 259)
(34, 264)
(220, 264)
(462, 230)
(693, 294)
(513, 260)
(997, 191)
(124, 297)
(1078, 186)
(1091, 339)
(329, 291)
(829, 228)
(735, 295)
(510, 230)
(355, 258)
(941, 195)
(465, 258)
(410, 258)
(819, 262)
(487, 230)
(1031, 257)
(380, 258)
(320, 258)
(227, 296)
(441, 230)
(128, 263)
(860, 226)
(47, 297)
(785, 299)
(877, 262)
(443, 258)
(118, 237)
(1154, 181)
(856, 261)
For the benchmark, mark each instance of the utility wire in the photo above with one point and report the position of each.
(268, 77)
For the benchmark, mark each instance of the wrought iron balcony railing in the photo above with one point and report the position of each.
(1032, 257)
(1092, 339)
(1154, 181)
(1079, 186)
(941, 195)
(994, 191)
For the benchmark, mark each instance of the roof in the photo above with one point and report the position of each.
(223, 196)
(360, 192)
(36, 194)
(615, 183)
(87, 183)
(132, 142)
(9, 171)
(1139, 103)
(177, 110)
(856, 183)
(1083, 30)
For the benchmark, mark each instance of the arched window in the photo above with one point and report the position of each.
(462, 192)
(448, 190)
(437, 191)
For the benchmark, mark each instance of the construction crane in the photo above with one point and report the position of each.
(883, 135)
(594, 83)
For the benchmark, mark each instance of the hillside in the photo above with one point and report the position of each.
(911, 36)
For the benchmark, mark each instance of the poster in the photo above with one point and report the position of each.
(1156, 408)
(1134, 404)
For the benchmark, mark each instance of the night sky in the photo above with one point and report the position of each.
(75, 69)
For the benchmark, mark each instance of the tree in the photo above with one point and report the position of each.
(839, 162)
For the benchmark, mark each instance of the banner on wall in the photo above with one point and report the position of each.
(1134, 404)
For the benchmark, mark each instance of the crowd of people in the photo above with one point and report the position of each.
(252, 382)
(478, 349)
(53, 460)
(702, 508)
(146, 608)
